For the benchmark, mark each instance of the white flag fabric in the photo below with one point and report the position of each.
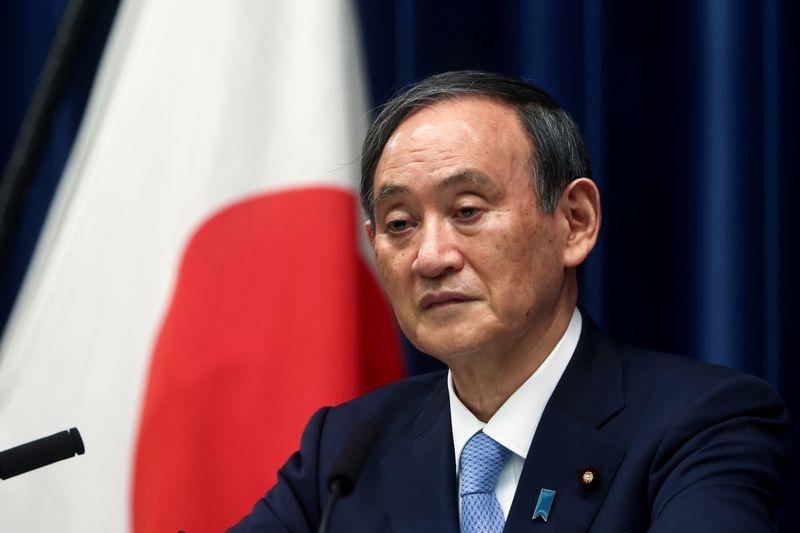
(198, 288)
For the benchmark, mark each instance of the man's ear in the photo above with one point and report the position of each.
(580, 204)
(369, 232)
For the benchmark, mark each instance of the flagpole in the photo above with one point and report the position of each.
(34, 131)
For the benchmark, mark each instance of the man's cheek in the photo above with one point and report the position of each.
(383, 268)
(391, 270)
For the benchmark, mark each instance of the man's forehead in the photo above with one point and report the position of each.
(426, 130)
(452, 124)
(456, 109)
(473, 143)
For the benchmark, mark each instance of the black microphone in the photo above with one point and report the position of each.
(348, 466)
(40, 452)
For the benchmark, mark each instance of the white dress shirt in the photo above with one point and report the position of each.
(515, 423)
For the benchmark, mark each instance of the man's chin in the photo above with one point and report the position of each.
(450, 348)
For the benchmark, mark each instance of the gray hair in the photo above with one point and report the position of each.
(558, 152)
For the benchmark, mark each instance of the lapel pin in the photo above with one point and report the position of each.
(589, 477)
(543, 504)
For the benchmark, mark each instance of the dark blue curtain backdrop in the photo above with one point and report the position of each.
(690, 111)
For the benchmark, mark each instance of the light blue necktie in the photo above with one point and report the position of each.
(482, 459)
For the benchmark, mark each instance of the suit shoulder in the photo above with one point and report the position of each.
(669, 382)
(661, 366)
(393, 404)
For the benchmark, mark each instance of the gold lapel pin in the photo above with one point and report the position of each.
(589, 477)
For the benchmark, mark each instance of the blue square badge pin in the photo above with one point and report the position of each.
(543, 504)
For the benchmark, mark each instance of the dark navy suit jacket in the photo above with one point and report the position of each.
(679, 446)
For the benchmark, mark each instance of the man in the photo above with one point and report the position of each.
(481, 207)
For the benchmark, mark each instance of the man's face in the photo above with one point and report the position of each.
(469, 263)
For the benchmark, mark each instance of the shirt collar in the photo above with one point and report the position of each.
(515, 423)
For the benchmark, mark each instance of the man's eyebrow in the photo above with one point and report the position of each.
(387, 191)
(468, 176)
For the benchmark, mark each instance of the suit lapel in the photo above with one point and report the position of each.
(419, 474)
(567, 440)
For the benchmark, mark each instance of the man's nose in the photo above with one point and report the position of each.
(437, 251)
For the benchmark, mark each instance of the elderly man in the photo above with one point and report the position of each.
(481, 207)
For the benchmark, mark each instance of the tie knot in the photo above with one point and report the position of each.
(482, 459)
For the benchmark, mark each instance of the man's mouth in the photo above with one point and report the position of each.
(442, 299)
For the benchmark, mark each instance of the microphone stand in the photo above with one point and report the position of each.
(336, 492)
(347, 468)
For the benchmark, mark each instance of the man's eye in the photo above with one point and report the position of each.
(396, 226)
(466, 212)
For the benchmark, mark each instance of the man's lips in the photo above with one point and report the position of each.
(442, 298)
